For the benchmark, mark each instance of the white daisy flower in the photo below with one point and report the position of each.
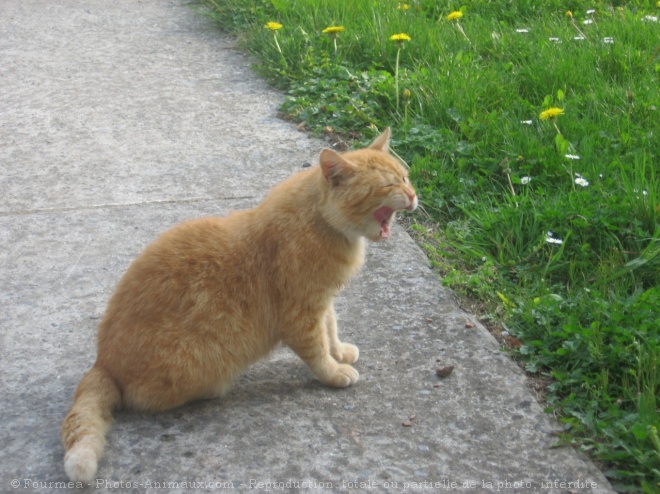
(609, 40)
(579, 38)
(572, 156)
(525, 180)
(650, 18)
(556, 40)
(551, 240)
(523, 30)
(591, 11)
(586, 22)
(581, 181)
(526, 122)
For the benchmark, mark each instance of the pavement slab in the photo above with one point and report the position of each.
(120, 119)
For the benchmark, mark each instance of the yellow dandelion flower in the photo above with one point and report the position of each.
(551, 113)
(400, 37)
(455, 15)
(333, 29)
(404, 6)
(569, 13)
(273, 26)
(658, 4)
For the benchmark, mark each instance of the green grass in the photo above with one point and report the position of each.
(584, 303)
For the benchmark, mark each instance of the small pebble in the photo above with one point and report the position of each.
(444, 371)
(407, 423)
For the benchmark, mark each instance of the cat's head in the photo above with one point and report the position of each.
(365, 189)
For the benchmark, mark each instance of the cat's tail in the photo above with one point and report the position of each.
(84, 428)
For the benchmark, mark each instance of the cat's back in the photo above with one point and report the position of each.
(192, 256)
(190, 243)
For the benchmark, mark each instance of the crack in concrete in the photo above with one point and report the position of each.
(24, 212)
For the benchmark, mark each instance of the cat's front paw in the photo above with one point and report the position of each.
(346, 353)
(344, 376)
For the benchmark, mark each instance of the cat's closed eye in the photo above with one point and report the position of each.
(403, 179)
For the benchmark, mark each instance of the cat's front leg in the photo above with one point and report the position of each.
(342, 352)
(311, 344)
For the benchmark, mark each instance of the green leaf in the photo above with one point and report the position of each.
(561, 144)
(640, 431)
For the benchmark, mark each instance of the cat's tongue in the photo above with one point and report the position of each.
(383, 216)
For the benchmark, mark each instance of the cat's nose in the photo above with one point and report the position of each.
(413, 202)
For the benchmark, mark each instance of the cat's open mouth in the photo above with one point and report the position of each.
(384, 216)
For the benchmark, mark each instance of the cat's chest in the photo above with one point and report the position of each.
(319, 268)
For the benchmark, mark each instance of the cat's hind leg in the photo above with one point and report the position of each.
(342, 352)
(310, 343)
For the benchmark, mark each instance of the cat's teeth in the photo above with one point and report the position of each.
(384, 216)
(385, 230)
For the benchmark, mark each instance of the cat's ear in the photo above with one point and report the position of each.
(335, 168)
(382, 142)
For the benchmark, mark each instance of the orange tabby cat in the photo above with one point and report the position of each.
(211, 296)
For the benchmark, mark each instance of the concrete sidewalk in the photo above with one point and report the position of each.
(119, 119)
